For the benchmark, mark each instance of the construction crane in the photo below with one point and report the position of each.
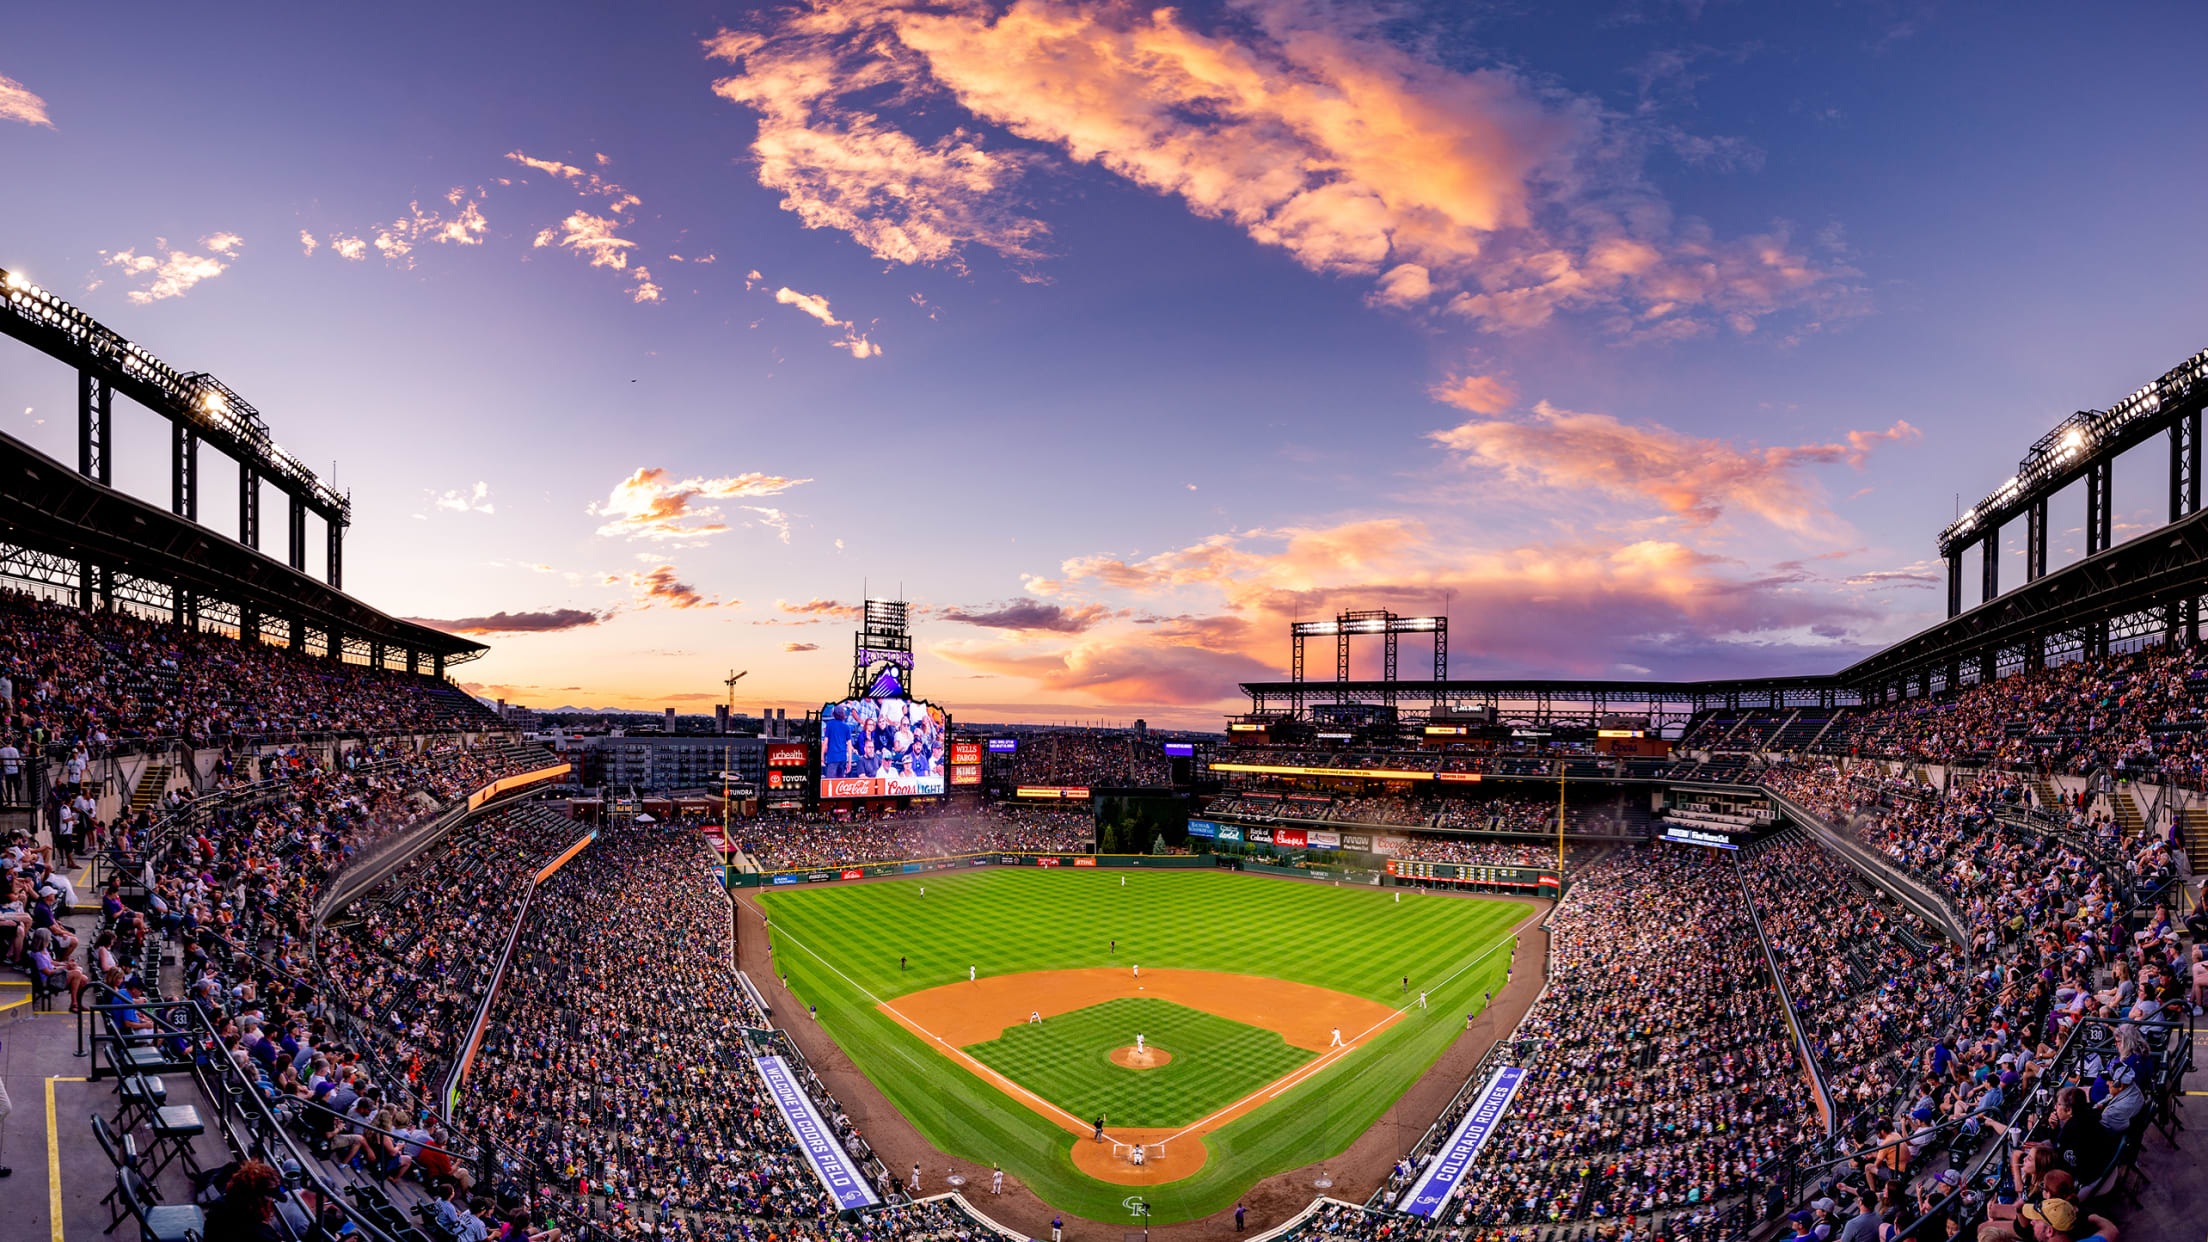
(733, 678)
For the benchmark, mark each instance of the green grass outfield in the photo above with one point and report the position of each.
(1067, 1060)
(839, 947)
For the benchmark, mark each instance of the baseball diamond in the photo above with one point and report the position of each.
(1243, 980)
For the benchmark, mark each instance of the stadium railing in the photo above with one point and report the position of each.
(1786, 1003)
(1921, 894)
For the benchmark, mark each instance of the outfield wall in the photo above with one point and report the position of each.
(963, 862)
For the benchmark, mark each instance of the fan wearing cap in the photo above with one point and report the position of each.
(2059, 1220)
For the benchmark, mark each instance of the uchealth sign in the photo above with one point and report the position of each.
(1447, 1168)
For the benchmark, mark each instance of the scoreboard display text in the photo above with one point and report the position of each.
(1469, 873)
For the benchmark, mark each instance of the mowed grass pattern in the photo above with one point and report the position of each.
(1354, 939)
(1067, 1060)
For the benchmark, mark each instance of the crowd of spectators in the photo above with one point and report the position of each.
(1089, 758)
(71, 678)
(2142, 713)
(783, 842)
(1660, 1072)
(619, 1059)
(414, 956)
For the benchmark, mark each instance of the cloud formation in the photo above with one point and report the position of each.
(1691, 477)
(663, 585)
(1028, 614)
(1481, 394)
(816, 306)
(1309, 127)
(549, 621)
(171, 273)
(839, 166)
(652, 504)
(474, 500)
(19, 104)
(797, 647)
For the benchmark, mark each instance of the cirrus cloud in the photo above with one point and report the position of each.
(18, 103)
(652, 504)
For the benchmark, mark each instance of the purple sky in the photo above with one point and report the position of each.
(1641, 336)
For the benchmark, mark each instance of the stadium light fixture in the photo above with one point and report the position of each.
(16, 280)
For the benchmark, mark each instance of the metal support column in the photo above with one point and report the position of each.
(1955, 583)
(375, 654)
(297, 539)
(296, 633)
(184, 471)
(95, 428)
(337, 553)
(1441, 649)
(249, 506)
(2185, 466)
(2100, 505)
(437, 664)
(1341, 665)
(1295, 675)
(2035, 541)
(1990, 571)
(1387, 665)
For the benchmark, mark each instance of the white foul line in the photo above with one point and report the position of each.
(953, 1049)
(1277, 1087)
(1295, 1078)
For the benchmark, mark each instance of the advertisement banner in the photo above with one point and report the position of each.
(853, 875)
(839, 1175)
(1084, 862)
(965, 774)
(1389, 843)
(783, 879)
(1293, 837)
(1038, 791)
(1046, 862)
(909, 868)
(788, 755)
(1357, 841)
(1003, 745)
(1230, 832)
(1325, 840)
(1203, 828)
(966, 752)
(1260, 836)
(1465, 777)
(1432, 1190)
(818, 877)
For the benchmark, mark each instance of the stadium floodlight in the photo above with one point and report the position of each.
(16, 280)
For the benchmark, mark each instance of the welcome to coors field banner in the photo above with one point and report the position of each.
(1434, 1187)
(831, 1163)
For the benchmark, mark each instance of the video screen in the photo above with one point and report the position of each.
(881, 748)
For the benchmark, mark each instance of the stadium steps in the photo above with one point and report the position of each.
(2128, 818)
(1836, 717)
(2050, 798)
(2193, 824)
(152, 783)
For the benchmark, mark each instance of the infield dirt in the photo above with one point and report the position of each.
(956, 1015)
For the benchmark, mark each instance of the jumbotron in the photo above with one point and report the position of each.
(1905, 949)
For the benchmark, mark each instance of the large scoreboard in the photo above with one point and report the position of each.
(1472, 873)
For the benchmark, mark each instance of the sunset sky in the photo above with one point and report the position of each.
(1644, 336)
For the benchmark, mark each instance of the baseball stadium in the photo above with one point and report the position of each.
(1266, 796)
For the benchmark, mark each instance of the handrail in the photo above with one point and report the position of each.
(1786, 1003)
(1929, 902)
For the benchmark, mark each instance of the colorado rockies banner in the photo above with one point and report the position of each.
(1439, 1181)
(838, 1173)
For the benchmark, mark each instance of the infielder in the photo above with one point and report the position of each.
(1337, 1038)
(969, 974)
(1034, 1018)
(996, 1180)
(916, 1178)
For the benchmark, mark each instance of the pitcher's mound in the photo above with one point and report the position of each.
(1148, 1058)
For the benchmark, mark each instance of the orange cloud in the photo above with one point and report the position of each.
(662, 585)
(1692, 477)
(652, 504)
(18, 103)
(1481, 394)
(1308, 127)
(840, 167)
(546, 622)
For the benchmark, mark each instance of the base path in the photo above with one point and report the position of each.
(955, 1016)
(1356, 1173)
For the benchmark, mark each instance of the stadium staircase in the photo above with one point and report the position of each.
(2128, 818)
(2193, 826)
(152, 783)
(2050, 798)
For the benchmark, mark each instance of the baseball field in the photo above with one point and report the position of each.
(1231, 1026)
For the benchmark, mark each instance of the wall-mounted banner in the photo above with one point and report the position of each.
(1442, 1176)
(838, 1175)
